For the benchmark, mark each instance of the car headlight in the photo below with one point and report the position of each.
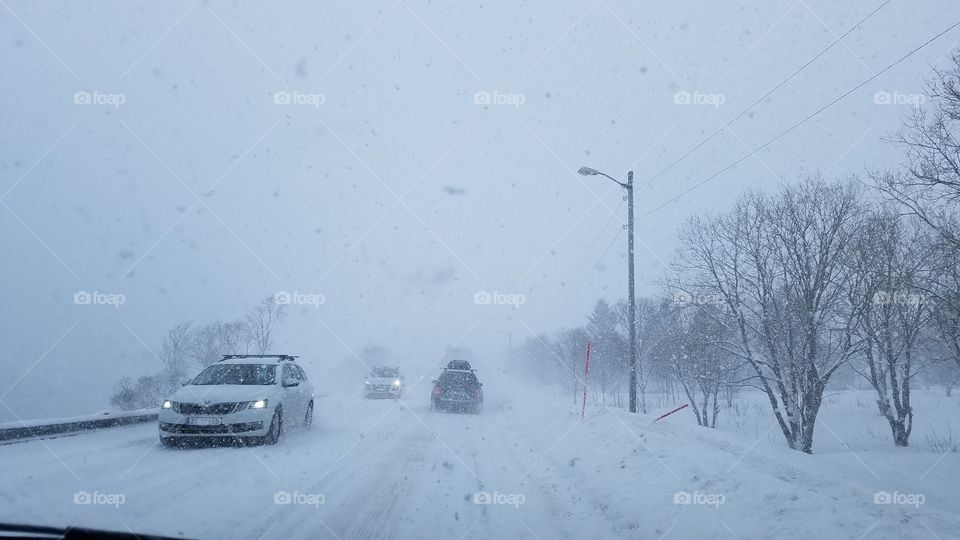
(258, 404)
(396, 382)
(366, 383)
(167, 404)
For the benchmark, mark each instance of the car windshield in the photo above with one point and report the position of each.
(384, 372)
(243, 374)
(653, 269)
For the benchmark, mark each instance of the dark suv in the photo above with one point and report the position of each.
(457, 390)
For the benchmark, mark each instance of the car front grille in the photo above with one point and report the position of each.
(216, 408)
(223, 429)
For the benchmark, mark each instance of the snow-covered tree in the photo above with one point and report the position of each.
(775, 263)
(653, 328)
(608, 362)
(929, 185)
(888, 283)
(945, 301)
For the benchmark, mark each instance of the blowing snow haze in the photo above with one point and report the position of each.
(395, 158)
(400, 176)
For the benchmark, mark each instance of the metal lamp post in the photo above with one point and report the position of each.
(631, 300)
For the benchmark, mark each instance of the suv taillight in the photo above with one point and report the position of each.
(477, 393)
(436, 391)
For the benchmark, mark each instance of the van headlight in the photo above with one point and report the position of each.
(167, 404)
(396, 383)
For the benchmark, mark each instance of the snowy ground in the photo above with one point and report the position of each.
(848, 420)
(393, 469)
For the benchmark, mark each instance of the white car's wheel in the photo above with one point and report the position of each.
(308, 418)
(276, 428)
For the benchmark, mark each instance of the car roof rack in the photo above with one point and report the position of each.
(281, 357)
(459, 363)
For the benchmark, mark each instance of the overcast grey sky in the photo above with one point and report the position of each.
(396, 157)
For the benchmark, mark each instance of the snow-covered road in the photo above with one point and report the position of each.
(393, 469)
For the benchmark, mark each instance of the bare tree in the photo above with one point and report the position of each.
(175, 353)
(890, 275)
(945, 307)
(571, 348)
(929, 187)
(700, 366)
(775, 264)
(145, 394)
(609, 357)
(943, 373)
(185, 344)
(204, 345)
(213, 340)
(260, 322)
(235, 336)
(652, 330)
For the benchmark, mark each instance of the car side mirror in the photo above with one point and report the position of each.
(184, 383)
(287, 383)
(433, 381)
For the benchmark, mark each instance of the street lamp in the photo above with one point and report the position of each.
(631, 300)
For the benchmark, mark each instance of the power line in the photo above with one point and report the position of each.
(576, 289)
(763, 97)
(805, 120)
(593, 244)
(609, 221)
(597, 239)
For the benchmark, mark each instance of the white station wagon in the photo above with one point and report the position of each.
(250, 396)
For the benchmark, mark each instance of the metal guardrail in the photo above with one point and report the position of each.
(72, 426)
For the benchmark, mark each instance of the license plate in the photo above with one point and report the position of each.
(204, 421)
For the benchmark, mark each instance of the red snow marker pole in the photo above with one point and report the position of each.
(684, 406)
(586, 375)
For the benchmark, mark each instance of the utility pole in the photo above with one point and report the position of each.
(631, 300)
